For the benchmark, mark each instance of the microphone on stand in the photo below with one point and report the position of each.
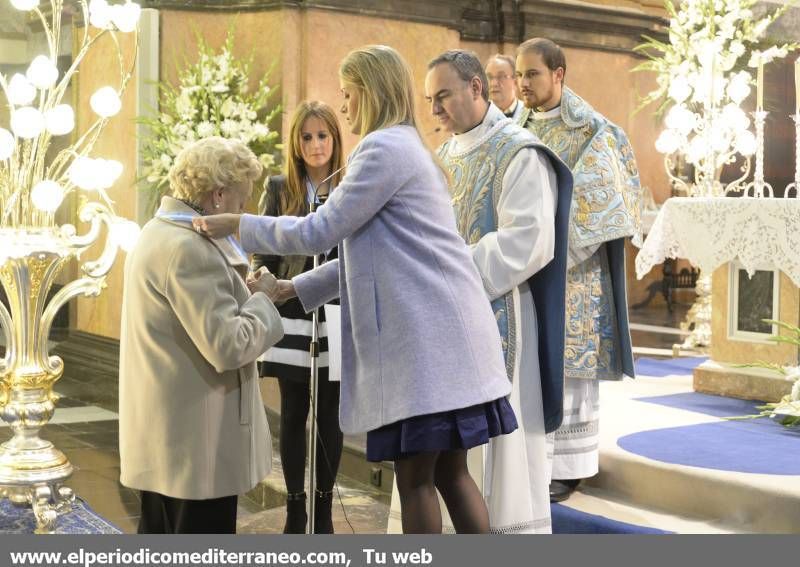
(313, 204)
(316, 200)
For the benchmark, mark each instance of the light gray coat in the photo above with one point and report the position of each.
(191, 420)
(418, 332)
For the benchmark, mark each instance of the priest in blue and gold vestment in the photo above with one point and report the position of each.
(511, 197)
(605, 211)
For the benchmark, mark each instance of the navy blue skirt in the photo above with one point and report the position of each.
(455, 429)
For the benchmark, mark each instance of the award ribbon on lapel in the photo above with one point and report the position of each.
(186, 217)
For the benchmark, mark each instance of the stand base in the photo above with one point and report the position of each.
(35, 477)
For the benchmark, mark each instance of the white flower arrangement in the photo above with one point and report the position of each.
(211, 99)
(786, 411)
(702, 78)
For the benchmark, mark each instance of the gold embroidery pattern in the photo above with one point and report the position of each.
(591, 349)
(475, 182)
(606, 201)
(606, 194)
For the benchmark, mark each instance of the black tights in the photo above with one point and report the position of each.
(419, 476)
(295, 403)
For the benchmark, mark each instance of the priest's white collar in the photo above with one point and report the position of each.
(511, 109)
(552, 113)
(477, 135)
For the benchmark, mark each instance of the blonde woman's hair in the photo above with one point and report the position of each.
(385, 87)
(293, 199)
(210, 164)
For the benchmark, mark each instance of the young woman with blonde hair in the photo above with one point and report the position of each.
(314, 154)
(422, 364)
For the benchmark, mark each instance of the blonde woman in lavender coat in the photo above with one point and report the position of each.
(422, 364)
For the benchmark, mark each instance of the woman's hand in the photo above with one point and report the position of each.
(217, 226)
(278, 291)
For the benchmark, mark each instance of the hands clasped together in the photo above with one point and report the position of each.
(278, 291)
(220, 226)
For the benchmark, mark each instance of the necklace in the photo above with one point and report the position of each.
(197, 208)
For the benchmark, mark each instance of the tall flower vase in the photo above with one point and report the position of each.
(32, 470)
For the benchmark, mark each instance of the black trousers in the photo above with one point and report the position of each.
(166, 515)
(295, 406)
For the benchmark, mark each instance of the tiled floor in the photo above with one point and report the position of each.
(90, 443)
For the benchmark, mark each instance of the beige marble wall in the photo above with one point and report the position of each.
(101, 315)
(730, 351)
(330, 36)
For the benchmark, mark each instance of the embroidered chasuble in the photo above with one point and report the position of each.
(605, 210)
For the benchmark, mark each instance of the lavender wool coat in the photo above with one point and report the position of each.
(418, 332)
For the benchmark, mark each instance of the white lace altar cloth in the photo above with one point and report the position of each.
(711, 231)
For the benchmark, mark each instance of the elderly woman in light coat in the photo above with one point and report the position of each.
(193, 432)
(422, 363)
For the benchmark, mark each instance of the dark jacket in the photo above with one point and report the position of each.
(282, 267)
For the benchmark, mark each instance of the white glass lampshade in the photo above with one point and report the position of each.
(697, 149)
(107, 172)
(42, 73)
(25, 5)
(125, 233)
(126, 16)
(105, 102)
(60, 120)
(27, 122)
(734, 118)
(680, 118)
(7, 144)
(100, 14)
(47, 196)
(20, 90)
(82, 172)
(668, 142)
(745, 143)
(720, 140)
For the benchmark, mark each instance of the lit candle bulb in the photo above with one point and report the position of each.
(760, 86)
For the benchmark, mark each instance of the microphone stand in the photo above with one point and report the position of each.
(314, 380)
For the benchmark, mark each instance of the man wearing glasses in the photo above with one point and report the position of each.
(502, 87)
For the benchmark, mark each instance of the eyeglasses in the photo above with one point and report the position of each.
(499, 78)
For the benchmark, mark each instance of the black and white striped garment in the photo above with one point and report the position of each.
(290, 358)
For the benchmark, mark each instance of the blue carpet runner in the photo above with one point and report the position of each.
(567, 520)
(758, 446)
(659, 367)
(80, 520)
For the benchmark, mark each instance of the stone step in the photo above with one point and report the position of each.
(736, 502)
(600, 502)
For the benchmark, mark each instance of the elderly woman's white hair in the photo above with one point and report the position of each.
(210, 164)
